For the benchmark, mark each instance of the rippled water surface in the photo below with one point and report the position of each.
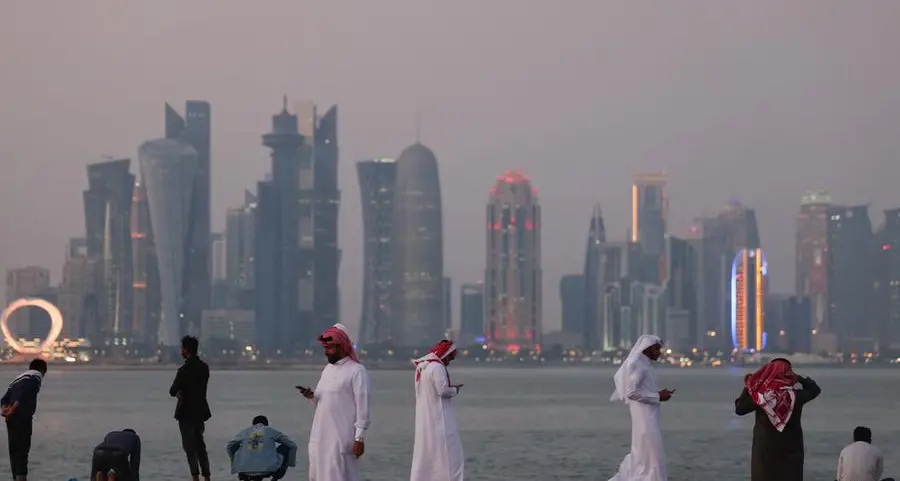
(517, 424)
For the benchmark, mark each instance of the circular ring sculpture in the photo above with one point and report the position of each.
(56, 324)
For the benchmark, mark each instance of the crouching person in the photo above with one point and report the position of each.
(261, 452)
(118, 457)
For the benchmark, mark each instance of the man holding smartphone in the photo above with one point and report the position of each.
(341, 399)
(636, 387)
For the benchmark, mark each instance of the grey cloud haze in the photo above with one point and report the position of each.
(757, 100)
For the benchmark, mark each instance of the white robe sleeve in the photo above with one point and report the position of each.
(879, 464)
(636, 390)
(840, 467)
(360, 383)
(441, 382)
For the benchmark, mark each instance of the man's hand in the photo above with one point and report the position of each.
(665, 395)
(9, 409)
(457, 386)
(359, 448)
(308, 394)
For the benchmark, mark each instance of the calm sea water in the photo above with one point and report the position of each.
(517, 424)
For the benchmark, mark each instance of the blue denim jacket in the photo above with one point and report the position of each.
(252, 451)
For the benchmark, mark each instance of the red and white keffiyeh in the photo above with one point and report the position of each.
(772, 389)
(439, 353)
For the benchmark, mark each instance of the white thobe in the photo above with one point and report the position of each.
(860, 461)
(438, 452)
(647, 459)
(342, 415)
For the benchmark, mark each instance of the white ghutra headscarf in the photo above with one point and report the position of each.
(635, 356)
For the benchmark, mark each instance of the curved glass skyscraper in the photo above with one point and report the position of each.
(168, 167)
(376, 185)
(417, 298)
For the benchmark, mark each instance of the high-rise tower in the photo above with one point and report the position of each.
(417, 247)
(513, 288)
(145, 318)
(107, 215)
(811, 268)
(748, 277)
(280, 330)
(887, 250)
(195, 129)
(377, 183)
(239, 241)
(851, 277)
(168, 168)
(649, 213)
(595, 277)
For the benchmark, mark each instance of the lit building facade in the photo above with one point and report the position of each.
(513, 294)
(377, 181)
(748, 277)
(146, 309)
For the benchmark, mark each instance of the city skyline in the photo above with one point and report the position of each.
(721, 118)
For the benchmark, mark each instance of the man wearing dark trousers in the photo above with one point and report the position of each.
(192, 410)
(18, 406)
(120, 452)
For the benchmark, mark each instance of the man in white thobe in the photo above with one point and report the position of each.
(438, 452)
(636, 386)
(862, 460)
(337, 437)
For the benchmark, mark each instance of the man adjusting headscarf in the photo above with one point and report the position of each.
(772, 389)
(437, 452)
(636, 386)
(771, 394)
(342, 410)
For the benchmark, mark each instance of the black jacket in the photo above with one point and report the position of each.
(128, 443)
(23, 389)
(191, 380)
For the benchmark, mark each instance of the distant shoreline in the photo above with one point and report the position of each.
(394, 366)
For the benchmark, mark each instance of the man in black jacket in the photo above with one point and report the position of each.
(18, 406)
(120, 452)
(192, 410)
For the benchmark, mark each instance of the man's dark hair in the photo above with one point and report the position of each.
(190, 344)
(261, 420)
(38, 365)
(129, 430)
(862, 433)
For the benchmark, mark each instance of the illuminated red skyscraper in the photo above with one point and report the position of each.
(512, 285)
(748, 287)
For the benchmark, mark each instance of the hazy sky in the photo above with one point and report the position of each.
(759, 100)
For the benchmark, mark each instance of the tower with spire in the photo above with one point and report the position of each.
(280, 330)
